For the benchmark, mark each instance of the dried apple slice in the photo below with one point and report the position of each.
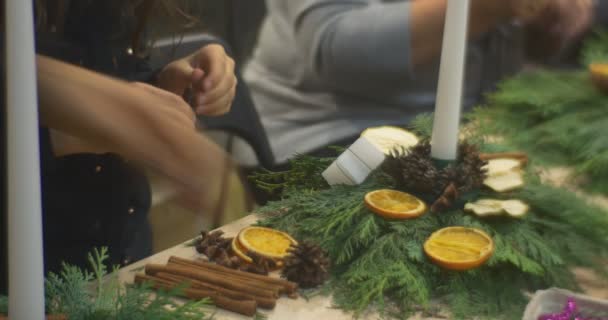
(502, 166)
(387, 138)
(485, 207)
(505, 182)
(515, 208)
(493, 207)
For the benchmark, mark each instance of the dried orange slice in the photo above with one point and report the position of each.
(459, 248)
(394, 204)
(599, 75)
(266, 242)
(240, 251)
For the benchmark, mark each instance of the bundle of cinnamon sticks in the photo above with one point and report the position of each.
(229, 289)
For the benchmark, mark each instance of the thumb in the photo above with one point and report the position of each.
(176, 77)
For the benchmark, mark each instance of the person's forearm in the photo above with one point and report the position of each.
(357, 47)
(68, 97)
(427, 20)
(119, 117)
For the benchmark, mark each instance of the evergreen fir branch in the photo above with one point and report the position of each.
(362, 236)
(496, 297)
(70, 292)
(506, 252)
(565, 207)
(304, 173)
(422, 125)
(381, 263)
(558, 117)
(596, 48)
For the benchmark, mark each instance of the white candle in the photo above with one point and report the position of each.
(25, 258)
(444, 141)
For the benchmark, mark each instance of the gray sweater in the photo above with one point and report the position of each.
(325, 70)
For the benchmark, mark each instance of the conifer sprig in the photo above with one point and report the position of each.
(558, 117)
(381, 264)
(97, 295)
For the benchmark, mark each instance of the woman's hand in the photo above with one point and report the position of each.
(566, 19)
(146, 125)
(562, 23)
(209, 74)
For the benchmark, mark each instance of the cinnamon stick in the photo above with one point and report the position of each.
(287, 286)
(213, 278)
(262, 302)
(521, 156)
(244, 307)
(247, 281)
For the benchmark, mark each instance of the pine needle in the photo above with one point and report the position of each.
(558, 117)
(82, 295)
(380, 264)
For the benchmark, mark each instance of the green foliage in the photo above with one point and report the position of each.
(596, 49)
(558, 117)
(422, 125)
(96, 295)
(3, 305)
(304, 172)
(381, 264)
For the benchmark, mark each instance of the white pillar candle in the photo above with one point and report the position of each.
(25, 258)
(444, 141)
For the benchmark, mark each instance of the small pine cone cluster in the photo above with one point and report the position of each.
(307, 264)
(218, 249)
(471, 169)
(260, 265)
(415, 171)
(446, 200)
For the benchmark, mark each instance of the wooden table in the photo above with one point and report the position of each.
(316, 308)
(320, 307)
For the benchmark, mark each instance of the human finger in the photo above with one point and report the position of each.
(218, 91)
(220, 106)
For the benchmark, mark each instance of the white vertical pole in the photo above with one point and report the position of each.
(25, 258)
(444, 141)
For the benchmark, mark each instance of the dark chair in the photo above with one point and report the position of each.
(243, 119)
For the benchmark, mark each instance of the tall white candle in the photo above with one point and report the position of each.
(25, 258)
(444, 141)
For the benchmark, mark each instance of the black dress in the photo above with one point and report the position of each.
(89, 200)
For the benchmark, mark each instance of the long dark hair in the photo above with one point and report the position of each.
(130, 18)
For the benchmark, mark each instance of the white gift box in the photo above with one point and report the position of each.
(355, 164)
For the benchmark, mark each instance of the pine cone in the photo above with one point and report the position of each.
(470, 173)
(307, 264)
(414, 171)
(446, 200)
